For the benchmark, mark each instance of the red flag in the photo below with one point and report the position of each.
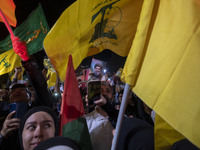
(73, 125)
(71, 100)
(8, 8)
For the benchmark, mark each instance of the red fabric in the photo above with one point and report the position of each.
(85, 75)
(20, 48)
(72, 105)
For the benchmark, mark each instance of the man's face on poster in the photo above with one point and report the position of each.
(97, 71)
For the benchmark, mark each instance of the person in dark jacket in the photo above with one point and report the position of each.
(184, 144)
(35, 76)
(136, 134)
(42, 95)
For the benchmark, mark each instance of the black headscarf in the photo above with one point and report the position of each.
(136, 134)
(184, 145)
(55, 142)
(32, 111)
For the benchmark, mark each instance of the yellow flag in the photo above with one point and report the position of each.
(163, 65)
(50, 73)
(89, 26)
(52, 80)
(164, 135)
(8, 9)
(8, 61)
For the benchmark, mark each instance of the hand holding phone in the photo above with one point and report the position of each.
(10, 124)
(20, 108)
(13, 108)
(94, 91)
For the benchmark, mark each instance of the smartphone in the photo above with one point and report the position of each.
(12, 108)
(93, 91)
(20, 108)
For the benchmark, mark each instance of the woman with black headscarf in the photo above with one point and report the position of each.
(38, 124)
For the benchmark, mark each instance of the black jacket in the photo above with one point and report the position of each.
(43, 96)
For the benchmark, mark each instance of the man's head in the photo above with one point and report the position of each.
(19, 93)
(97, 69)
(106, 91)
(120, 94)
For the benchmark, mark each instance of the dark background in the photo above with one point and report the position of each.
(53, 9)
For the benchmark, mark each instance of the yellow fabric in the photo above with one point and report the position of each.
(164, 134)
(164, 69)
(89, 26)
(52, 80)
(8, 61)
(50, 72)
(8, 9)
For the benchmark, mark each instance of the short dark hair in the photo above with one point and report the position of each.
(121, 92)
(21, 85)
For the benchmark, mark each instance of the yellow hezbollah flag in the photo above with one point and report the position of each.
(8, 61)
(89, 26)
(8, 9)
(163, 65)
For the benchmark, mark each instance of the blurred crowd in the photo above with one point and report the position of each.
(30, 110)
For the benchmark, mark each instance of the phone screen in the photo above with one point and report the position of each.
(12, 108)
(94, 91)
(20, 108)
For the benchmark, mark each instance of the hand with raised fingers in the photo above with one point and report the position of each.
(18, 69)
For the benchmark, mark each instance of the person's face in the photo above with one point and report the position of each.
(106, 92)
(97, 70)
(18, 95)
(38, 127)
(120, 97)
(32, 93)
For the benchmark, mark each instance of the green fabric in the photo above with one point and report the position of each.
(33, 30)
(77, 130)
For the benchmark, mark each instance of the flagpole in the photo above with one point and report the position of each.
(120, 116)
(6, 23)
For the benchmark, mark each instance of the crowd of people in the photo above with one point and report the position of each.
(29, 111)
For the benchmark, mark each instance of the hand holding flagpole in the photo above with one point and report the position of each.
(7, 24)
